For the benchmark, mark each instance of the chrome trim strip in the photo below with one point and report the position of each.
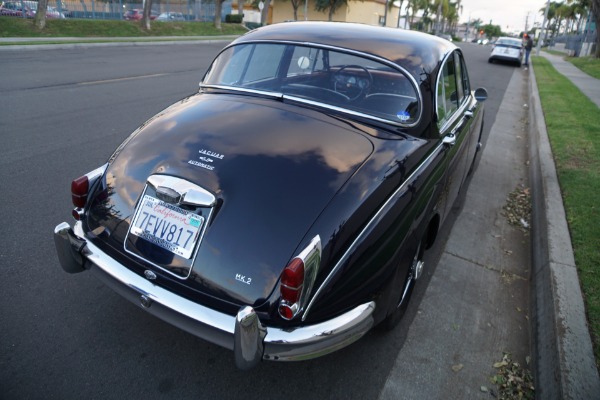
(242, 89)
(370, 224)
(280, 344)
(314, 103)
(191, 193)
(311, 258)
(96, 173)
(222, 323)
(317, 340)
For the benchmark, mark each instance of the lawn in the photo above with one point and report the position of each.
(589, 65)
(19, 27)
(573, 124)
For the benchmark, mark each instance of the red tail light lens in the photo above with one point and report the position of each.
(292, 280)
(79, 191)
(297, 280)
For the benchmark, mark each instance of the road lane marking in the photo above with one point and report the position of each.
(119, 79)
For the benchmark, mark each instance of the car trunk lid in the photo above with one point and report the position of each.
(271, 167)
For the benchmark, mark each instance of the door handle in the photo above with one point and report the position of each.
(449, 140)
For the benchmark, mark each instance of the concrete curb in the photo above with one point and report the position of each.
(562, 349)
(16, 44)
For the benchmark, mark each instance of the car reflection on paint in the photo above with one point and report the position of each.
(284, 210)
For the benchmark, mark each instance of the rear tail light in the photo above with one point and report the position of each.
(292, 280)
(298, 278)
(80, 189)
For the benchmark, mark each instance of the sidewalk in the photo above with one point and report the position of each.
(563, 353)
(588, 85)
(478, 296)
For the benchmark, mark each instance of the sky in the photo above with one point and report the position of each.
(510, 15)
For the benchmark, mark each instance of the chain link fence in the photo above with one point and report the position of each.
(192, 10)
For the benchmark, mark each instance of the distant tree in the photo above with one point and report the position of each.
(492, 30)
(264, 14)
(296, 5)
(146, 15)
(399, 11)
(581, 9)
(240, 4)
(415, 6)
(40, 15)
(218, 9)
(440, 8)
(329, 6)
(596, 13)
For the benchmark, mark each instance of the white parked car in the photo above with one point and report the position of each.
(507, 49)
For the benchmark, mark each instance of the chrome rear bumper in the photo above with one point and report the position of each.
(243, 333)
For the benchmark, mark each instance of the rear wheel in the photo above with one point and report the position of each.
(415, 272)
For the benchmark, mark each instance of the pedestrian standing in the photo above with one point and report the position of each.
(528, 47)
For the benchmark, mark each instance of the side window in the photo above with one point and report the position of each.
(465, 78)
(447, 96)
(460, 90)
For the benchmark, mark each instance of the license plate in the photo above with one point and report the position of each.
(168, 226)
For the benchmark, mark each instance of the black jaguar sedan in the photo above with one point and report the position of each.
(283, 210)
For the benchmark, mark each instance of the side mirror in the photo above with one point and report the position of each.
(481, 94)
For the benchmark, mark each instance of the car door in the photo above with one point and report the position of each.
(454, 123)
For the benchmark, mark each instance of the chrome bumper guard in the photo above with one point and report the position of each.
(249, 339)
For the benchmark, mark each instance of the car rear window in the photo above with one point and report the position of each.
(320, 76)
(514, 44)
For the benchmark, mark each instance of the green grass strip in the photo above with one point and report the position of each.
(589, 65)
(573, 124)
(19, 27)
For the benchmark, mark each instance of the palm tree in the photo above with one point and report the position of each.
(452, 17)
(596, 12)
(399, 15)
(581, 9)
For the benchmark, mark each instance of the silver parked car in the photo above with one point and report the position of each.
(507, 49)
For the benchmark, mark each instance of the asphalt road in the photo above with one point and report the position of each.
(62, 113)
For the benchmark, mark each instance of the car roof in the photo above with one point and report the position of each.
(509, 39)
(415, 51)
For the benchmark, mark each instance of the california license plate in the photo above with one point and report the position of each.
(168, 226)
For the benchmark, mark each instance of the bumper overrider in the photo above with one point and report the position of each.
(243, 333)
